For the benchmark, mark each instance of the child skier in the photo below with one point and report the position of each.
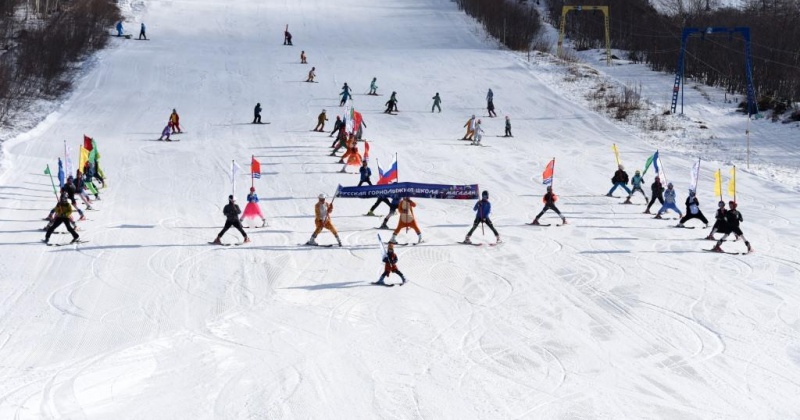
(693, 210)
(549, 199)
(490, 103)
(436, 102)
(231, 212)
(287, 38)
(657, 191)
(732, 220)
(165, 133)
(470, 125)
(407, 219)
(303, 57)
(373, 87)
(478, 132)
(390, 266)
(322, 219)
(392, 210)
(63, 211)
(719, 224)
(345, 94)
(391, 104)
(321, 118)
(669, 202)
(142, 32)
(620, 179)
(636, 183)
(257, 114)
(253, 209)
(365, 173)
(508, 127)
(119, 28)
(311, 75)
(482, 210)
(176, 121)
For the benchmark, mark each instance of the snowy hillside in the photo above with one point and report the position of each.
(614, 315)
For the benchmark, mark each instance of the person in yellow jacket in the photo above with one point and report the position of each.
(63, 211)
(322, 219)
(175, 122)
(407, 220)
(470, 125)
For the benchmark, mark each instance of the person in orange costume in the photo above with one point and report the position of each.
(407, 220)
(322, 219)
(175, 120)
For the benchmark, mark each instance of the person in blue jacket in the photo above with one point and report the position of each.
(392, 210)
(345, 94)
(366, 173)
(119, 28)
(669, 202)
(482, 209)
(636, 183)
(143, 32)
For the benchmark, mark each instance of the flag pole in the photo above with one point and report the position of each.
(233, 178)
(719, 177)
(51, 181)
(553, 181)
(398, 167)
(616, 153)
(734, 183)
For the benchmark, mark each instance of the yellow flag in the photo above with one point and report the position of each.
(616, 152)
(718, 183)
(83, 159)
(732, 184)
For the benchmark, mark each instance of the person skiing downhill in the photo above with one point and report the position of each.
(732, 220)
(657, 191)
(392, 210)
(303, 57)
(436, 102)
(253, 209)
(165, 133)
(345, 94)
(365, 174)
(231, 212)
(391, 104)
(257, 114)
(63, 211)
(719, 223)
(490, 103)
(69, 191)
(373, 87)
(508, 127)
(390, 266)
(322, 219)
(620, 179)
(549, 199)
(470, 125)
(311, 75)
(636, 183)
(482, 210)
(407, 219)
(287, 38)
(693, 210)
(378, 202)
(321, 118)
(669, 202)
(142, 32)
(175, 120)
(119, 28)
(478, 132)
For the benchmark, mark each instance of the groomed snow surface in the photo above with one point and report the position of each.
(615, 315)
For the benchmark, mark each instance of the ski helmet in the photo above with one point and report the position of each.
(252, 189)
(669, 185)
(638, 172)
(691, 192)
(321, 196)
(721, 204)
(732, 205)
(621, 167)
(549, 188)
(485, 194)
(391, 246)
(230, 198)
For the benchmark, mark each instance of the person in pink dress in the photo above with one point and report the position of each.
(252, 209)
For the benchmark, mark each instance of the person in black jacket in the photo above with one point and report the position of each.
(549, 201)
(620, 179)
(732, 220)
(231, 212)
(657, 191)
(720, 220)
(366, 173)
(336, 126)
(257, 114)
(63, 211)
(693, 210)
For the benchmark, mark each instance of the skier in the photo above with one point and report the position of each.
(360, 129)
(119, 28)
(482, 209)
(365, 173)
(69, 191)
(508, 127)
(311, 75)
(478, 131)
(378, 202)
(657, 191)
(322, 219)
(392, 210)
(252, 209)
(373, 87)
(490, 103)
(63, 211)
(165, 133)
(303, 57)
(231, 212)
(321, 118)
(732, 220)
(636, 183)
(257, 114)
(549, 199)
(470, 125)
(391, 104)
(407, 219)
(345, 94)
(176, 121)
(719, 224)
(80, 189)
(287, 38)
(620, 179)
(669, 202)
(436, 102)
(338, 126)
(142, 33)
(343, 141)
(693, 210)
(390, 266)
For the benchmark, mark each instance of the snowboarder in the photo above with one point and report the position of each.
(719, 224)
(482, 209)
(392, 210)
(478, 132)
(176, 121)
(231, 212)
(732, 220)
(490, 103)
(508, 127)
(669, 202)
(311, 75)
(257, 114)
(287, 38)
(407, 219)
(365, 173)
(436, 102)
(321, 118)
(549, 199)
(693, 210)
(470, 125)
(620, 179)
(390, 265)
(373, 87)
(142, 31)
(322, 219)
(165, 133)
(657, 191)
(63, 211)
(303, 57)
(636, 183)
(345, 94)
(119, 28)
(252, 209)
(391, 104)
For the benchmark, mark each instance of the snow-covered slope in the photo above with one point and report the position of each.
(613, 316)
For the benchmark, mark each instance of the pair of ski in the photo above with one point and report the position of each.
(66, 243)
(379, 283)
(479, 244)
(224, 244)
(728, 252)
(545, 224)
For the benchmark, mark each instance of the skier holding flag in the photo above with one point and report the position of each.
(550, 198)
(322, 219)
(389, 266)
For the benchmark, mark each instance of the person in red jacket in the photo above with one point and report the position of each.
(175, 121)
(390, 266)
(549, 201)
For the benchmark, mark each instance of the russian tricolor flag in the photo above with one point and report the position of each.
(389, 176)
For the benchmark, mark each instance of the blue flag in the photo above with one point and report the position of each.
(60, 174)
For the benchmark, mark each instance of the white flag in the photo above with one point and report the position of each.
(695, 175)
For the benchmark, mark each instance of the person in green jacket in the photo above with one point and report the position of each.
(373, 88)
(436, 101)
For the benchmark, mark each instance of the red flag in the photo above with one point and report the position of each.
(547, 175)
(87, 142)
(366, 150)
(255, 168)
